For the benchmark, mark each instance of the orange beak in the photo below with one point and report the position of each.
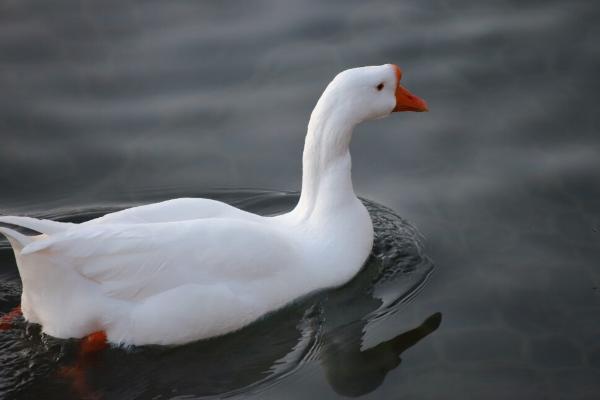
(405, 100)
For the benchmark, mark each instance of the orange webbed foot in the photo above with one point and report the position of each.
(6, 321)
(93, 343)
(89, 347)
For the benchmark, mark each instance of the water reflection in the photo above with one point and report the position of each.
(352, 372)
(324, 330)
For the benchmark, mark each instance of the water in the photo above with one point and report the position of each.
(113, 103)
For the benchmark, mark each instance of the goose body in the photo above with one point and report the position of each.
(187, 269)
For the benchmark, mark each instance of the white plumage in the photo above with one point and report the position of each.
(187, 269)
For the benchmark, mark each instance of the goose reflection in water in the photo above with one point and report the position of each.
(352, 372)
(324, 330)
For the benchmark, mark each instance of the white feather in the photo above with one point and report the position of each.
(39, 225)
(17, 240)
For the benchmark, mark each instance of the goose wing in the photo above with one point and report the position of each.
(173, 210)
(133, 262)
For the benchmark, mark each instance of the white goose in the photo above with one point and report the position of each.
(188, 269)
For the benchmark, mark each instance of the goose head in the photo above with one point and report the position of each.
(366, 93)
(353, 96)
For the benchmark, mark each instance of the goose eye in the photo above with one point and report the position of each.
(380, 86)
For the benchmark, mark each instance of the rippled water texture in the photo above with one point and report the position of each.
(104, 104)
(321, 333)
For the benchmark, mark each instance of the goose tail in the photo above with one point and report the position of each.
(39, 225)
(16, 239)
(19, 240)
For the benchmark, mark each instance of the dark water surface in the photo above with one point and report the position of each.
(112, 103)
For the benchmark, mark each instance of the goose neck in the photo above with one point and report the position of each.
(326, 165)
